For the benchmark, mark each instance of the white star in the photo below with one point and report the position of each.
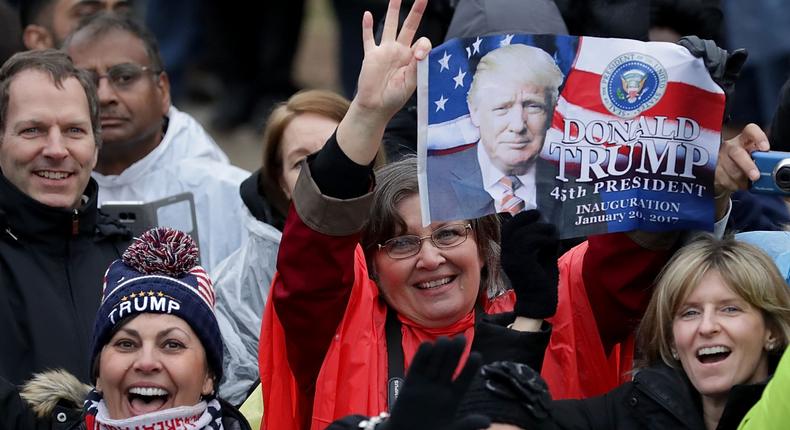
(440, 103)
(506, 40)
(444, 62)
(459, 78)
(468, 52)
(476, 45)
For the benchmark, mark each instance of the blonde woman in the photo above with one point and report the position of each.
(712, 335)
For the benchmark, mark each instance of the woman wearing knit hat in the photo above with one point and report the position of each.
(157, 348)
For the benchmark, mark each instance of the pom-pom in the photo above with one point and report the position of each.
(162, 251)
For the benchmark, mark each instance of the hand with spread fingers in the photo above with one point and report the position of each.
(735, 167)
(430, 396)
(530, 250)
(387, 79)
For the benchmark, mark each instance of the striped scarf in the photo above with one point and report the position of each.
(206, 415)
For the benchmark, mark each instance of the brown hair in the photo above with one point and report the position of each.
(397, 181)
(59, 67)
(748, 271)
(320, 102)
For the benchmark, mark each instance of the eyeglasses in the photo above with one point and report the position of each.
(444, 237)
(122, 76)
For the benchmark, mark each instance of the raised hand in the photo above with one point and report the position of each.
(386, 81)
(389, 71)
(724, 67)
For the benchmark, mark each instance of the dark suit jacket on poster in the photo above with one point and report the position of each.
(455, 186)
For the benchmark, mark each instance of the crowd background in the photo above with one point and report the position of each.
(326, 53)
(230, 70)
(316, 64)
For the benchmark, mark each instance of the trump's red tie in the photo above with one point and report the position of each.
(510, 202)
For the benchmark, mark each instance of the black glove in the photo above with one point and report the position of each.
(430, 396)
(355, 422)
(723, 67)
(519, 384)
(529, 259)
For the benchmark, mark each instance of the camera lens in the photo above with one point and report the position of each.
(782, 178)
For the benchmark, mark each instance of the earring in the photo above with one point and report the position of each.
(675, 355)
(770, 346)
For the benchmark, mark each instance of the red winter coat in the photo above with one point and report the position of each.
(323, 332)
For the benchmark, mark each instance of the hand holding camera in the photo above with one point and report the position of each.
(735, 167)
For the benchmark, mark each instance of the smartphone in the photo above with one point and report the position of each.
(774, 167)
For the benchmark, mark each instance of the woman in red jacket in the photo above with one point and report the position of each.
(361, 282)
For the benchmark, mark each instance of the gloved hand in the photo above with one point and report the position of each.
(529, 259)
(723, 67)
(430, 396)
(520, 383)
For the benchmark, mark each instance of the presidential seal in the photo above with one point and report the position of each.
(632, 83)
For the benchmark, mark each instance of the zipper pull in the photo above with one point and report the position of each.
(75, 223)
(8, 232)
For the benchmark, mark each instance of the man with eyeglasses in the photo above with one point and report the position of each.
(151, 149)
(46, 23)
(55, 246)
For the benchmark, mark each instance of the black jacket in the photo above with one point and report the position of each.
(259, 204)
(52, 262)
(659, 397)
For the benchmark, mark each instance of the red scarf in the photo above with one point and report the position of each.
(413, 335)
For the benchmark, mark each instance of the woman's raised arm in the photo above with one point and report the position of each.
(386, 81)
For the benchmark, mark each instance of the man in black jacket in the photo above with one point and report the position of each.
(54, 244)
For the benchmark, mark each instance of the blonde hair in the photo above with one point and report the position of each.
(320, 102)
(749, 272)
(518, 63)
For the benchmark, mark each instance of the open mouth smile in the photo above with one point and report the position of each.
(144, 400)
(713, 354)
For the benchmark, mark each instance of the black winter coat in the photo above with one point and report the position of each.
(658, 398)
(52, 262)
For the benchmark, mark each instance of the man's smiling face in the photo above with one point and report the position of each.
(48, 149)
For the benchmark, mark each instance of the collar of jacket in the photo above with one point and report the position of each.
(60, 396)
(28, 220)
(256, 202)
(672, 389)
